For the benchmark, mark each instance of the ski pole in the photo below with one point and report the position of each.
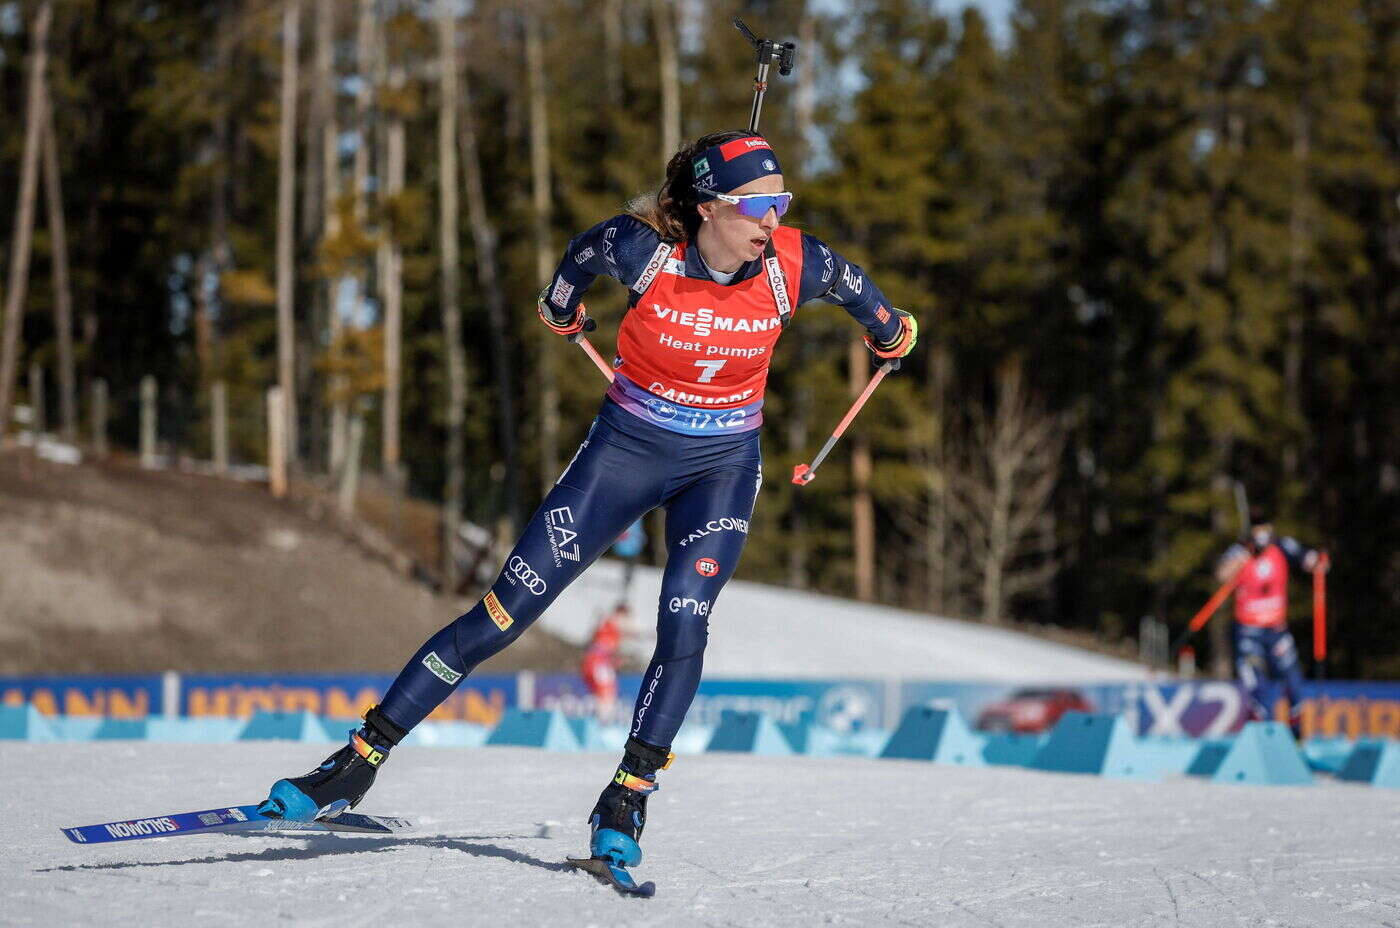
(1320, 613)
(1208, 610)
(803, 474)
(580, 338)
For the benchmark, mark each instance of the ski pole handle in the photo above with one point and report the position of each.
(803, 474)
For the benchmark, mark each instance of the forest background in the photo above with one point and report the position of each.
(1154, 246)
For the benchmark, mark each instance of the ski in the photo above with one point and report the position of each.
(611, 874)
(228, 818)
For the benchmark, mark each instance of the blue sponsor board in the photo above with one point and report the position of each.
(844, 705)
(567, 693)
(1197, 708)
(123, 697)
(478, 699)
(1014, 707)
(1213, 708)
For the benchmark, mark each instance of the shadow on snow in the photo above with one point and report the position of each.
(329, 845)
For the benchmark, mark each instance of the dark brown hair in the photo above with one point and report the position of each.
(672, 211)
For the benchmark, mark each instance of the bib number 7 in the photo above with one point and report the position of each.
(711, 368)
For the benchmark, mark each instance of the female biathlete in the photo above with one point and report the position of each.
(712, 281)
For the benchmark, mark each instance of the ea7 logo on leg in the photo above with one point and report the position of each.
(560, 538)
(440, 670)
(707, 567)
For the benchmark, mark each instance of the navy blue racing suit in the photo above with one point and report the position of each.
(627, 466)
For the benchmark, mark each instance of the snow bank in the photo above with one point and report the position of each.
(764, 631)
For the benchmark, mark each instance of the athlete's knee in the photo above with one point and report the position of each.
(487, 628)
(683, 626)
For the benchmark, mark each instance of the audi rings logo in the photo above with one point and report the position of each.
(523, 572)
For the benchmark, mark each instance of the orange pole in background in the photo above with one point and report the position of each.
(1212, 604)
(1320, 610)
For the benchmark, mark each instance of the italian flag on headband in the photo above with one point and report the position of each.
(739, 147)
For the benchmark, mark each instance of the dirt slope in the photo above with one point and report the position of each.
(105, 567)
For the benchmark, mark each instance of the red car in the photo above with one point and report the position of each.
(1031, 711)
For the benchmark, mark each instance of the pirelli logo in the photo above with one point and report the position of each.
(497, 612)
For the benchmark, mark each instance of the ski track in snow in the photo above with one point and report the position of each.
(732, 840)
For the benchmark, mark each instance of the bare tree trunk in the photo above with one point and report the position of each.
(805, 100)
(215, 259)
(488, 275)
(63, 293)
(862, 505)
(544, 256)
(319, 101)
(286, 227)
(1298, 248)
(998, 540)
(663, 11)
(391, 263)
(1004, 493)
(612, 51)
(936, 540)
(796, 424)
(448, 220)
(364, 67)
(24, 215)
(798, 420)
(330, 208)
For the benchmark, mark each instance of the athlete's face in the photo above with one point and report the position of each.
(727, 237)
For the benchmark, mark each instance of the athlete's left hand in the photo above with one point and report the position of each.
(902, 343)
(571, 324)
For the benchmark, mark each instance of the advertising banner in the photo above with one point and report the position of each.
(122, 697)
(1196, 708)
(845, 705)
(1013, 708)
(1211, 708)
(478, 699)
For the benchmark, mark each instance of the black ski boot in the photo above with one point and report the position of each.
(621, 812)
(342, 780)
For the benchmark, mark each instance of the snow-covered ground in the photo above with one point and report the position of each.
(733, 840)
(764, 631)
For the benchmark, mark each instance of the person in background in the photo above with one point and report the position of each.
(602, 659)
(1264, 647)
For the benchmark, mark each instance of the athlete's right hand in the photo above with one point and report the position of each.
(569, 324)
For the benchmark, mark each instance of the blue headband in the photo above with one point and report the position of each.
(722, 168)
